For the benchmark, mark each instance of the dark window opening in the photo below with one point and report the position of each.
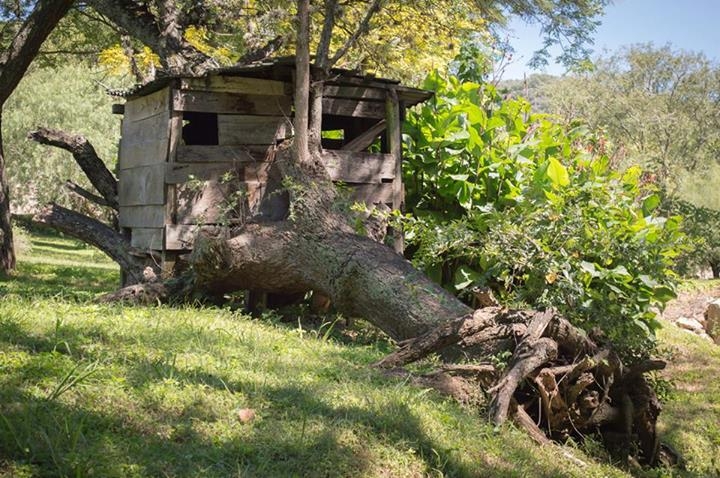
(200, 128)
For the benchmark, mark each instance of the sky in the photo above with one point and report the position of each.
(692, 25)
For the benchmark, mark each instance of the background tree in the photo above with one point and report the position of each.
(659, 108)
(14, 62)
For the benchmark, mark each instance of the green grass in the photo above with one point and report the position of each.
(690, 420)
(112, 390)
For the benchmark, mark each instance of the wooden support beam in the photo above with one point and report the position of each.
(363, 168)
(363, 142)
(394, 140)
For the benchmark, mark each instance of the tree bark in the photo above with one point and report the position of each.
(362, 277)
(162, 34)
(715, 267)
(7, 246)
(96, 233)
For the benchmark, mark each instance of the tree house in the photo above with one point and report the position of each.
(195, 151)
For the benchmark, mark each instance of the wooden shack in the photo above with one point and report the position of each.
(195, 150)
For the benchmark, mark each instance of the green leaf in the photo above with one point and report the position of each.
(557, 173)
(465, 277)
(650, 204)
(664, 294)
(590, 268)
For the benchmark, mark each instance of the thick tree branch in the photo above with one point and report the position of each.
(302, 84)
(132, 17)
(323, 49)
(85, 194)
(164, 35)
(263, 52)
(93, 232)
(15, 60)
(84, 153)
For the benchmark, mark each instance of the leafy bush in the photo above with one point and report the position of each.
(502, 198)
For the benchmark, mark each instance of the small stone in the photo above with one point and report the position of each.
(690, 324)
(246, 415)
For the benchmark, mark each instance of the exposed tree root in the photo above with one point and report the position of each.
(558, 383)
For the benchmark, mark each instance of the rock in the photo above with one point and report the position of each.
(690, 324)
(712, 320)
(246, 415)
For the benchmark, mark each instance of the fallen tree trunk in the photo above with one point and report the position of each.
(556, 378)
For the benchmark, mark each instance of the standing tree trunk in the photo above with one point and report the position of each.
(7, 248)
(14, 62)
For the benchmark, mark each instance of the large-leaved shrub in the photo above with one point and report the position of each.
(499, 197)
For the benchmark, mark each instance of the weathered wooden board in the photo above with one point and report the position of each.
(353, 92)
(371, 193)
(177, 173)
(358, 167)
(231, 103)
(245, 130)
(139, 108)
(147, 238)
(354, 108)
(175, 141)
(237, 84)
(224, 154)
(142, 154)
(215, 202)
(141, 216)
(142, 185)
(152, 128)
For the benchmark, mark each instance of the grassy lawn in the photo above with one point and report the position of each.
(111, 390)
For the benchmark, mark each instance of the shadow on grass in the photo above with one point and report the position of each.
(59, 440)
(74, 283)
(691, 419)
(64, 246)
(298, 431)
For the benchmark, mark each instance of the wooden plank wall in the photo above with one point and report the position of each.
(169, 190)
(143, 152)
(252, 115)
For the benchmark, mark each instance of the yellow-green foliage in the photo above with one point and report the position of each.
(116, 62)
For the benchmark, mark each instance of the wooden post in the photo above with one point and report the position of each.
(394, 143)
(175, 126)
